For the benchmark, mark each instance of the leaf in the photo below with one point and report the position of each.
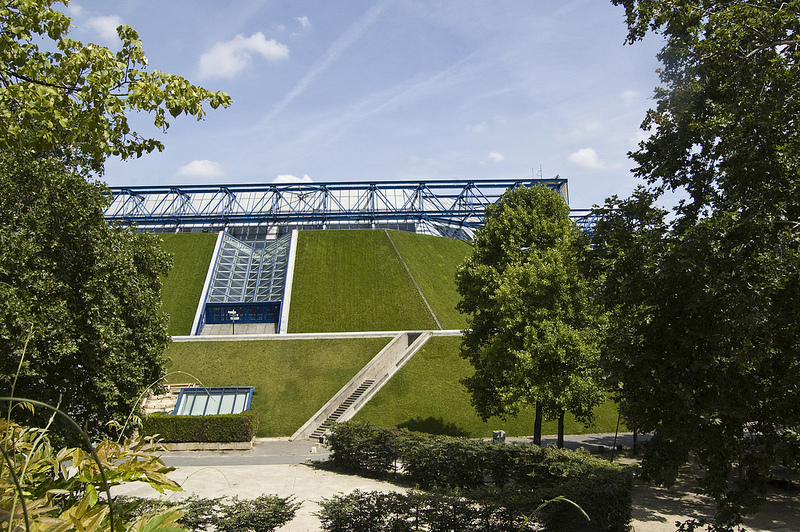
(165, 521)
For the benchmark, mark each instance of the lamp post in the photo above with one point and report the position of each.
(234, 316)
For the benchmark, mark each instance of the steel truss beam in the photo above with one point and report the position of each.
(452, 203)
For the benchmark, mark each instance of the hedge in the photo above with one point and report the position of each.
(218, 428)
(375, 512)
(514, 476)
(265, 513)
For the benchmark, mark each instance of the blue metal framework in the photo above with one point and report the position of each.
(449, 204)
(258, 312)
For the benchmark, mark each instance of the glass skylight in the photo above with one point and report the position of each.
(212, 401)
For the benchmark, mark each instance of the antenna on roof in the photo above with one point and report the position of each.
(537, 175)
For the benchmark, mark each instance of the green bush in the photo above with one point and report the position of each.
(514, 478)
(219, 428)
(446, 462)
(377, 512)
(262, 514)
(363, 448)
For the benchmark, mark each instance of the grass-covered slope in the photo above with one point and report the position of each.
(292, 378)
(353, 280)
(426, 395)
(433, 261)
(182, 287)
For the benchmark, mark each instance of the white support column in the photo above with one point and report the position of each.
(287, 289)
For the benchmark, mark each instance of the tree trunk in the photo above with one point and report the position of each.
(560, 442)
(635, 442)
(537, 425)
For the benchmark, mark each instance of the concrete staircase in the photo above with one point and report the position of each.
(361, 388)
(333, 418)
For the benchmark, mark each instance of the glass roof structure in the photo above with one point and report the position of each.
(213, 401)
(245, 274)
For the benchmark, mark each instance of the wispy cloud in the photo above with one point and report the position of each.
(105, 27)
(350, 36)
(630, 97)
(226, 59)
(337, 124)
(303, 21)
(201, 169)
(477, 128)
(289, 178)
(496, 157)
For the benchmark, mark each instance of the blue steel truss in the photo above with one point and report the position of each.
(446, 204)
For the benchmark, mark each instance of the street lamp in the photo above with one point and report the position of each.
(234, 316)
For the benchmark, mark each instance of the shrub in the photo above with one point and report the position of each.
(263, 514)
(508, 478)
(375, 512)
(360, 447)
(219, 428)
(446, 462)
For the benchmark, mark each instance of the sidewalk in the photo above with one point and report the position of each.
(282, 467)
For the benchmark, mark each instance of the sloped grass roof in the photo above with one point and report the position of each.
(353, 280)
(292, 378)
(426, 395)
(433, 261)
(181, 289)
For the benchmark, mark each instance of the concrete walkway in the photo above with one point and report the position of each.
(284, 468)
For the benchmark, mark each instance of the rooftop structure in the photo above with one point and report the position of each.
(453, 208)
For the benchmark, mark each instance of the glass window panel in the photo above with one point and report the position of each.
(226, 402)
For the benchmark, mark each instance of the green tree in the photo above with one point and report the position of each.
(80, 320)
(58, 95)
(80, 323)
(532, 332)
(703, 335)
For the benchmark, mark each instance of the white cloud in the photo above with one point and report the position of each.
(226, 59)
(496, 157)
(201, 169)
(303, 21)
(289, 178)
(629, 97)
(105, 27)
(586, 157)
(477, 128)
(74, 10)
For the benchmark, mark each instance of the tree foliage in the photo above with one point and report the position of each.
(531, 335)
(60, 95)
(80, 321)
(80, 324)
(46, 488)
(703, 336)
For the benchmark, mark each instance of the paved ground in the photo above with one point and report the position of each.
(282, 467)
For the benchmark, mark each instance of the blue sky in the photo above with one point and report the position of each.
(391, 90)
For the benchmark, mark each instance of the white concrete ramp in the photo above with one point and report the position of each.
(365, 384)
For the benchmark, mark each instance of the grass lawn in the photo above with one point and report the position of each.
(426, 395)
(353, 280)
(181, 289)
(433, 261)
(292, 378)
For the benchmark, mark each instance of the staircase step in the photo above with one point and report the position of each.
(363, 387)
